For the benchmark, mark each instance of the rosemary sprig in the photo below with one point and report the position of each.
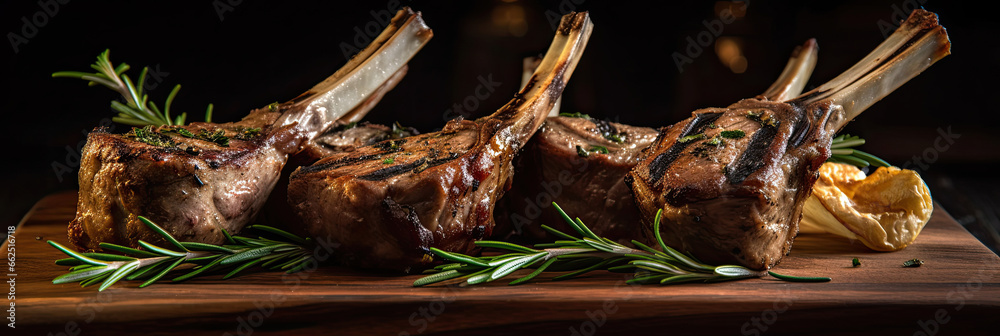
(288, 252)
(844, 152)
(587, 252)
(137, 110)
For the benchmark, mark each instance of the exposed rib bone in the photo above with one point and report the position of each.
(529, 64)
(796, 73)
(350, 86)
(919, 42)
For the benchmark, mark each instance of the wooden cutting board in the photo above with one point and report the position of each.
(957, 292)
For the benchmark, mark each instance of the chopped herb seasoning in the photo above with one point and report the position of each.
(273, 107)
(856, 262)
(733, 134)
(913, 263)
(217, 136)
(388, 161)
(712, 125)
(575, 115)
(593, 149)
(246, 133)
(616, 138)
(690, 138)
(149, 136)
(763, 118)
(347, 126)
(716, 141)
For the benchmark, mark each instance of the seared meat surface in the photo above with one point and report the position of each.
(566, 162)
(731, 181)
(193, 184)
(385, 205)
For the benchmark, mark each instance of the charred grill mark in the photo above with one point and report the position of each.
(339, 163)
(799, 131)
(663, 161)
(753, 158)
(436, 162)
(404, 221)
(385, 173)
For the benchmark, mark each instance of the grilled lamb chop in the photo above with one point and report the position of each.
(196, 187)
(564, 162)
(342, 138)
(387, 204)
(731, 199)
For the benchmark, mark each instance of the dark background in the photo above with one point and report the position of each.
(257, 52)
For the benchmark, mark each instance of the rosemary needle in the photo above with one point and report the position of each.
(137, 109)
(585, 253)
(290, 252)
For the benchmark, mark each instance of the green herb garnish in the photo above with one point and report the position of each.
(763, 118)
(388, 161)
(150, 136)
(286, 251)
(856, 262)
(844, 153)
(247, 133)
(347, 126)
(913, 263)
(733, 134)
(715, 141)
(575, 115)
(586, 253)
(137, 109)
(593, 149)
(690, 138)
(616, 138)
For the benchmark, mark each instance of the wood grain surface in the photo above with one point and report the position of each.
(957, 292)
